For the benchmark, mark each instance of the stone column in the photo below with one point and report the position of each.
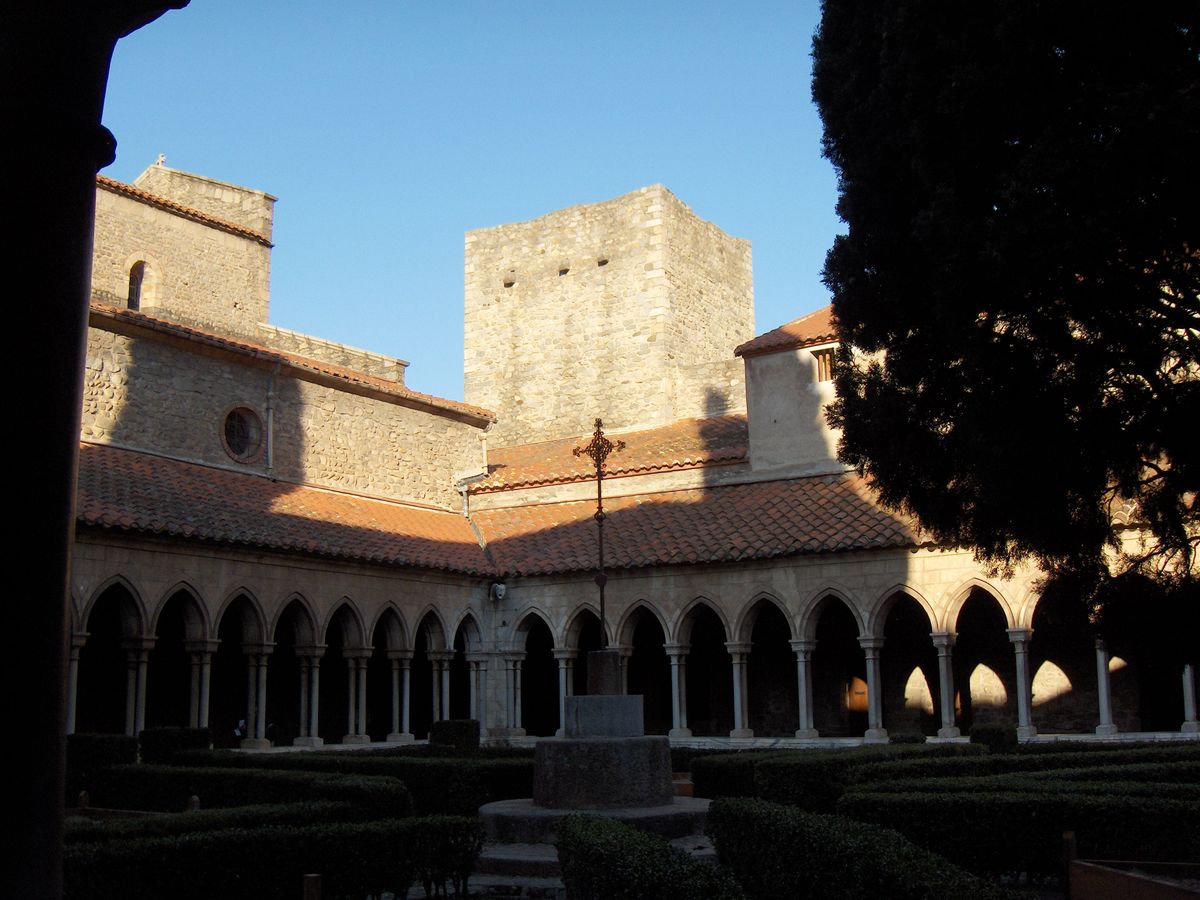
(356, 691)
(260, 719)
(876, 733)
(483, 665)
(944, 642)
(446, 662)
(314, 703)
(78, 639)
(677, 654)
(256, 697)
(803, 651)
(310, 694)
(305, 666)
(509, 693)
(626, 655)
(435, 685)
(201, 653)
(1020, 641)
(517, 698)
(137, 658)
(565, 657)
(400, 659)
(1104, 691)
(1190, 723)
(477, 707)
(738, 651)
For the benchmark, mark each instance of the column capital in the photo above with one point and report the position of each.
(357, 652)
(565, 653)
(400, 655)
(201, 646)
(79, 639)
(314, 651)
(514, 657)
(803, 646)
(625, 650)
(943, 640)
(677, 649)
(477, 656)
(1020, 635)
(439, 655)
(742, 647)
(871, 643)
(133, 644)
(263, 649)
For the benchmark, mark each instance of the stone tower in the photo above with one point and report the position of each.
(626, 309)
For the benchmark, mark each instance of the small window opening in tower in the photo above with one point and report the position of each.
(564, 270)
(136, 273)
(602, 261)
(824, 360)
(509, 282)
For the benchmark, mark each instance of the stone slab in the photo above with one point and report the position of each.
(603, 715)
(604, 672)
(598, 773)
(521, 822)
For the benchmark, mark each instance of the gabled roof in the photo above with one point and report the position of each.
(687, 444)
(721, 524)
(117, 318)
(136, 492)
(186, 212)
(814, 328)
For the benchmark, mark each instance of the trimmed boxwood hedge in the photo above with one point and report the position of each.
(82, 830)
(1037, 783)
(88, 753)
(354, 860)
(161, 745)
(780, 853)
(168, 788)
(438, 785)
(1022, 831)
(602, 859)
(455, 735)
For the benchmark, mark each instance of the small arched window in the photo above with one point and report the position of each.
(137, 272)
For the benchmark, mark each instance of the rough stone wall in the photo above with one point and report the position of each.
(242, 206)
(154, 396)
(589, 311)
(195, 273)
(364, 361)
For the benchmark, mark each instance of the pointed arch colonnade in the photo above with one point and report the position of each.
(829, 664)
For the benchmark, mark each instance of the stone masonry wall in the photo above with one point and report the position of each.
(331, 352)
(589, 312)
(155, 396)
(242, 206)
(195, 273)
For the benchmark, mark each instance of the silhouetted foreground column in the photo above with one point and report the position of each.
(55, 57)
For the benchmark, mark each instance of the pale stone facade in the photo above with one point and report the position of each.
(629, 309)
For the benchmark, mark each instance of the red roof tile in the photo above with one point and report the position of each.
(728, 523)
(128, 190)
(687, 444)
(102, 313)
(130, 491)
(814, 328)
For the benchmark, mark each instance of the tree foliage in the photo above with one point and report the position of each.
(1018, 293)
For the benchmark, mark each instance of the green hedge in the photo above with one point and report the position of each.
(998, 764)
(161, 745)
(1037, 783)
(605, 860)
(354, 860)
(814, 779)
(82, 830)
(168, 788)
(88, 753)
(455, 735)
(732, 774)
(781, 853)
(1022, 831)
(438, 785)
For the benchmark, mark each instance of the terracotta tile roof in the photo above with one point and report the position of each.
(814, 328)
(687, 444)
(128, 190)
(720, 524)
(129, 491)
(103, 313)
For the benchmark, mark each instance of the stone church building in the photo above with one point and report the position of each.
(280, 540)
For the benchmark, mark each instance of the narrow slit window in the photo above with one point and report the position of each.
(136, 274)
(824, 360)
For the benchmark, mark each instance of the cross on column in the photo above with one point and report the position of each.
(599, 448)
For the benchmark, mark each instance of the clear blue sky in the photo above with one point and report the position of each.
(388, 129)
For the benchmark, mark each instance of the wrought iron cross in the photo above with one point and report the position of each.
(599, 448)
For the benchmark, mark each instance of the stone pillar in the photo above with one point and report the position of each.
(356, 695)
(738, 651)
(803, 651)
(314, 703)
(201, 653)
(565, 658)
(1190, 723)
(677, 654)
(944, 642)
(482, 665)
(305, 666)
(517, 698)
(1104, 690)
(509, 693)
(446, 662)
(256, 697)
(876, 733)
(78, 639)
(435, 685)
(137, 658)
(400, 659)
(260, 719)
(477, 707)
(626, 655)
(310, 693)
(1020, 641)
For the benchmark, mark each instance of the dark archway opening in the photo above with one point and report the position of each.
(839, 671)
(709, 676)
(102, 678)
(421, 685)
(230, 670)
(539, 681)
(460, 676)
(169, 680)
(771, 670)
(335, 682)
(908, 664)
(984, 664)
(587, 639)
(650, 673)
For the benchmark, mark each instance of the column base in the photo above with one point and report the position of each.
(308, 742)
(1026, 731)
(742, 733)
(1190, 728)
(399, 737)
(875, 736)
(1106, 729)
(951, 732)
(356, 739)
(808, 734)
(679, 733)
(254, 744)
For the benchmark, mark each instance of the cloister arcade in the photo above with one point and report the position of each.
(830, 665)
